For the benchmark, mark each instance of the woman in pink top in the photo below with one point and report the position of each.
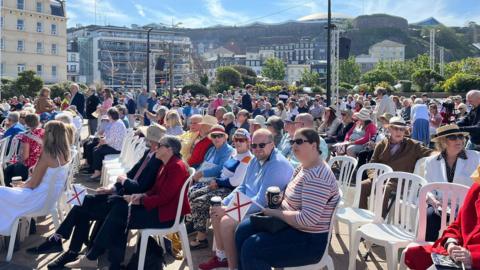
(107, 101)
(361, 133)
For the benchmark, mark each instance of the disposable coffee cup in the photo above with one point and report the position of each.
(273, 197)
(16, 180)
(216, 201)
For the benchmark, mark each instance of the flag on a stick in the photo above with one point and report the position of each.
(239, 205)
(76, 195)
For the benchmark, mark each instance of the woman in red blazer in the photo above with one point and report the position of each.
(155, 209)
(460, 241)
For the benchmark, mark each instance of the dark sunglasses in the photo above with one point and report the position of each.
(455, 137)
(260, 145)
(216, 136)
(242, 140)
(298, 141)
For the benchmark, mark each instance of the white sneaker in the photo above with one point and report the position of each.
(82, 262)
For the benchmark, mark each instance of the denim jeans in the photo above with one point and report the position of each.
(286, 248)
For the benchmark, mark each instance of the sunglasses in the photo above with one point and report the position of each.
(216, 136)
(260, 145)
(455, 137)
(241, 140)
(298, 141)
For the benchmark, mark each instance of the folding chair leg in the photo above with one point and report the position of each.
(11, 245)
(143, 251)
(353, 252)
(392, 257)
(185, 245)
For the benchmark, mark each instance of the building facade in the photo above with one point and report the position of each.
(33, 37)
(388, 50)
(73, 63)
(117, 56)
(295, 71)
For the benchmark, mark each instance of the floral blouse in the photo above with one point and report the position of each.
(33, 138)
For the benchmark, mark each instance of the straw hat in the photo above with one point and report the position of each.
(209, 120)
(476, 175)
(446, 130)
(397, 122)
(217, 129)
(386, 116)
(258, 120)
(363, 114)
(153, 132)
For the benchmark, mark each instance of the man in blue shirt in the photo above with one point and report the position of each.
(268, 168)
(13, 128)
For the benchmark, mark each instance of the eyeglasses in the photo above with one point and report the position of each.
(260, 145)
(455, 137)
(216, 136)
(240, 140)
(163, 145)
(298, 141)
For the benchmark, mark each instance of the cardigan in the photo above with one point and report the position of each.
(218, 157)
(165, 193)
(370, 131)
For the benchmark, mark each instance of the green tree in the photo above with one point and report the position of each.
(468, 66)
(204, 79)
(349, 71)
(274, 69)
(59, 89)
(228, 76)
(426, 79)
(248, 74)
(28, 84)
(376, 76)
(310, 78)
(196, 89)
(462, 82)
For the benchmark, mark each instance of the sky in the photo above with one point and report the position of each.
(204, 13)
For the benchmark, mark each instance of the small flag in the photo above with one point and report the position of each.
(238, 206)
(76, 195)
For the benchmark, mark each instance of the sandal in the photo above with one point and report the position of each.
(198, 244)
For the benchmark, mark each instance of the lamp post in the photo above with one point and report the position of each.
(329, 58)
(148, 58)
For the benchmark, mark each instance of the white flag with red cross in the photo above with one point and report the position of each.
(238, 206)
(76, 195)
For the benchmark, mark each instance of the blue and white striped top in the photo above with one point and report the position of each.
(314, 194)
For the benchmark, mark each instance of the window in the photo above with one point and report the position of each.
(53, 29)
(39, 7)
(54, 49)
(73, 57)
(39, 47)
(39, 70)
(20, 68)
(20, 46)
(20, 4)
(2, 44)
(2, 68)
(1, 22)
(54, 71)
(72, 68)
(39, 27)
(20, 24)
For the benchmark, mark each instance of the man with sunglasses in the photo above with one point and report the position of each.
(268, 168)
(398, 152)
(471, 122)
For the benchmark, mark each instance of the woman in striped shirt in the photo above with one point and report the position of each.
(309, 202)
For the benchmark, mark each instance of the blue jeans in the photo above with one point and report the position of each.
(287, 248)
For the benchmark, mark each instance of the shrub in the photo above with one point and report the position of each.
(425, 79)
(196, 89)
(406, 85)
(462, 82)
(377, 76)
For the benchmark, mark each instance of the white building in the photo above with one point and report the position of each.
(294, 72)
(73, 63)
(366, 62)
(388, 50)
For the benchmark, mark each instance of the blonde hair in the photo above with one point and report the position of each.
(441, 144)
(44, 90)
(56, 142)
(172, 119)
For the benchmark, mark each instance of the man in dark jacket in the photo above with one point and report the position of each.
(92, 102)
(77, 99)
(471, 122)
(96, 207)
(247, 99)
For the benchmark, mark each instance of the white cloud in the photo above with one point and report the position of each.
(140, 10)
(105, 11)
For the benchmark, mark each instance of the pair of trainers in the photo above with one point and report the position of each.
(213, 263)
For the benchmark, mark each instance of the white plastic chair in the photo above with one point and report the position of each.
(347, 166)
(326, 260)
(398, 232)
(353, 216)
(3, 149)
(178, 226)
(50, 208)
(453, 196)
(420, 167)
(13, 150)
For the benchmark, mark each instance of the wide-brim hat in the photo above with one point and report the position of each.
(332, 108)
(258, 120)
(397, 122)
(153, 133)
(363, 114)
(217, 129)
(476, 175)
(447, 130)
(209, 120)
(386, 116)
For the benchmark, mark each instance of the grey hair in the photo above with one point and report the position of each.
(14, 116)
(173, 143)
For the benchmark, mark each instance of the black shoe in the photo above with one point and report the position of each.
(65, 258)
(49, 246)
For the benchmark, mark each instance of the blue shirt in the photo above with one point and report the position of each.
(219, 157)
(275, 171)
(14, 130)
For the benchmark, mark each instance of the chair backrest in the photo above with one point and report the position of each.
(3, 149)
(453, 196)
(420, 167)
(374, 170)
(136, 151)
(191, 172)
(13, 150)
(406, 198)
(347, 166)
(52, 198)
(126, 143)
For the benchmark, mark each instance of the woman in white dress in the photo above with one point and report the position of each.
(48, 178)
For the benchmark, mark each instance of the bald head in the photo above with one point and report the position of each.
(195, 122)
(473, 97)
(304, 120)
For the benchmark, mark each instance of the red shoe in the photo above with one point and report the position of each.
(213, 263)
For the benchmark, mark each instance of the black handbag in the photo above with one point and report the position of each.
(269, 224)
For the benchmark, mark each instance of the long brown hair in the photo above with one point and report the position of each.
(55, 141)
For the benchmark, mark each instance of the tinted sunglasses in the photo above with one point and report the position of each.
(242, 140)
(455, 137)
(260, 145)
(298, 141)
(216, 136)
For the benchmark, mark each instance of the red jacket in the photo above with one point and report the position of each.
(199, 151)
(165, 193)
(370, 131)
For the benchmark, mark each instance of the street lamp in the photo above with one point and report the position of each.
(148, 58)
(329, 48)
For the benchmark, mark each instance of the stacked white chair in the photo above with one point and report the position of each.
(50, 208)
(453, 196)
(398, 232)
(13, 150)
(178, 226)
(346, 166)
(3, 149)
(353, 216)
(62, 206)
(326, 260)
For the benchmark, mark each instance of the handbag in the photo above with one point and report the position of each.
(269, 224)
